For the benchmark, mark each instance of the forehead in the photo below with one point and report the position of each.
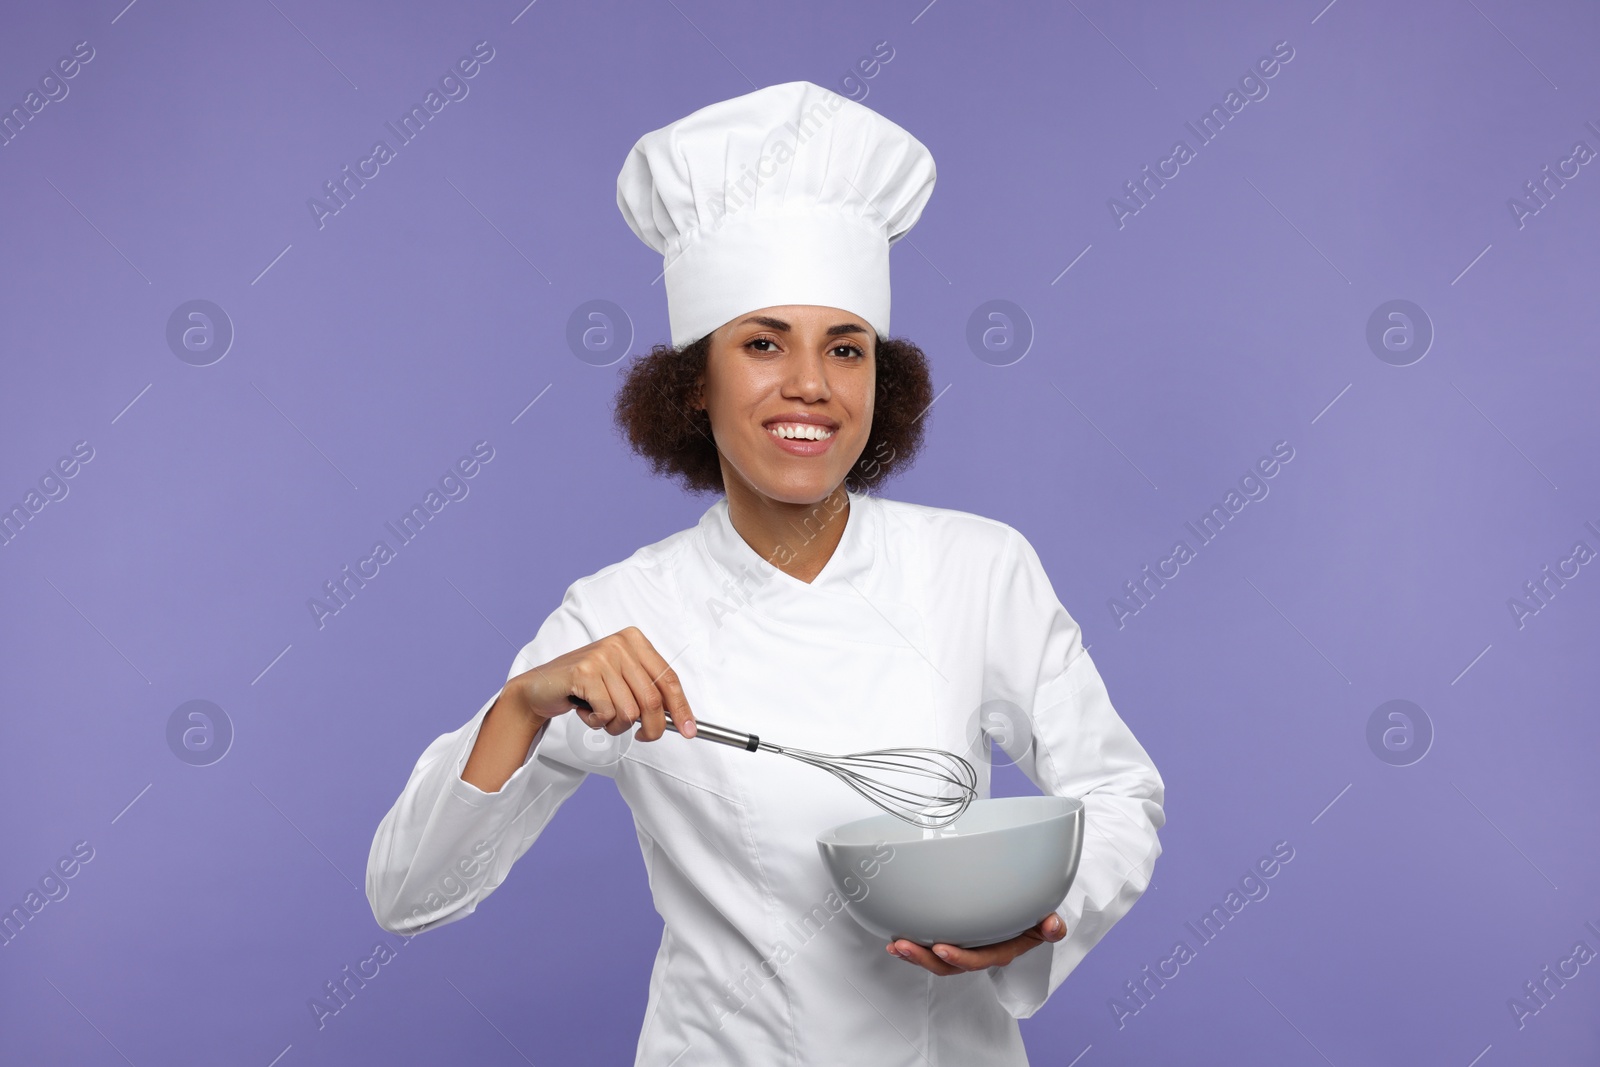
(799, 317)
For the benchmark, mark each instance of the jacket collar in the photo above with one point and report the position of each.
(856, 599)
(759, 582)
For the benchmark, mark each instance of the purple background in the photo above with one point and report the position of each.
(1228, 314)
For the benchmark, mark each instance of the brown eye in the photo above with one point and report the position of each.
(851, 348)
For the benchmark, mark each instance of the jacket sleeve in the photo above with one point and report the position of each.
(446, 844)
(1069, 741)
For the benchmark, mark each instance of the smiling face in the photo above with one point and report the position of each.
(789, 391)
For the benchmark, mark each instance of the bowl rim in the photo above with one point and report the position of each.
(1072, 806)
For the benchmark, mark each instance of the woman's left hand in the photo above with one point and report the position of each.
(948, 959)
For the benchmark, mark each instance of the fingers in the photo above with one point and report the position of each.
(651, 720)
(678, 704)
(944, 959)
(948, 959)
(596, 680)
(622, 700)
(588, 682)
(923, 957)
(626, 682)
(664, 683)
(976, 959)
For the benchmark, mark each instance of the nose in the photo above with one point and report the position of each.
(807, 376)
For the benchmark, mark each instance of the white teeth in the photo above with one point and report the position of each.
(803, 431)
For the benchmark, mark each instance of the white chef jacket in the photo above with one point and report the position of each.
(925, 626)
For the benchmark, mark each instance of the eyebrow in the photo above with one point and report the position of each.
(783, 327)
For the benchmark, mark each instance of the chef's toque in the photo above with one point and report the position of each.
(791, 194)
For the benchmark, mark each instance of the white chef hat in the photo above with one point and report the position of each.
(791, 194)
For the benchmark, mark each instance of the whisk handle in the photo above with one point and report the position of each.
(702, 730)
(722, 735)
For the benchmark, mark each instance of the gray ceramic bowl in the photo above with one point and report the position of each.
(993, 873)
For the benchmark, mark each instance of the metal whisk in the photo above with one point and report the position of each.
(956, 788)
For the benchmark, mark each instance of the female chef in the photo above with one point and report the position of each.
(800, 607)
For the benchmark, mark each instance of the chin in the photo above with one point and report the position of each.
(801, 495)
(796, 487)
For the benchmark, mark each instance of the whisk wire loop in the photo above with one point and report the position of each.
(863, 772)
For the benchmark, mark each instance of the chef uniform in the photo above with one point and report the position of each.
(926, 627)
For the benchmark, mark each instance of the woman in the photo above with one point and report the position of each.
(801, 607)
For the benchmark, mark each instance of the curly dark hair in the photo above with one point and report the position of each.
(655, 411)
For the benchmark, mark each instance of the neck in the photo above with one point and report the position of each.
(798, 539)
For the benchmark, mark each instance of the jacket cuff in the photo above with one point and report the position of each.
(514, 786)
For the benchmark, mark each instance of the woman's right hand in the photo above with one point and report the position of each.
(624, 679)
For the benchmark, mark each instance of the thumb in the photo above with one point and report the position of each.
(1055, 927)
